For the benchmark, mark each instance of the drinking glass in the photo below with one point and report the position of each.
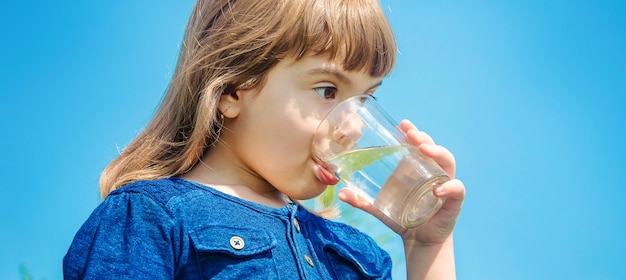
(359, 143)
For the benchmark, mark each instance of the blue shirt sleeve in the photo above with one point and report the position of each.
(128, 236)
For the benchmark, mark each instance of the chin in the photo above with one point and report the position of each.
(311, 192)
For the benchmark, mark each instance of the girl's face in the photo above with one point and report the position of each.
(270, 137)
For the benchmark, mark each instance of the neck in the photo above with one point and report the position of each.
(219, 171)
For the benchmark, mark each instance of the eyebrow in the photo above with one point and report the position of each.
(340, 76)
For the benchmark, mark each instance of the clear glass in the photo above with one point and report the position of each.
(360, 143)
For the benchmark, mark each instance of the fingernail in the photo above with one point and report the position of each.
(439, 190)
(341, 196)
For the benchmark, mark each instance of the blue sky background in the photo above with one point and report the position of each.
(528, 95)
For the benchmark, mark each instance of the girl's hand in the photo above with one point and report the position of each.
(439, 228)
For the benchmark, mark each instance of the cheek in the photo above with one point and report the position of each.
(283, 130)
(279, 139)
(296, 137)
(294, 128)
(282, 155)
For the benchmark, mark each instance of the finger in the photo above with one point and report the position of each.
(442, 156)
(355, 200)
(419, 137)
(414, 135)
(406, 125)
(454, 192)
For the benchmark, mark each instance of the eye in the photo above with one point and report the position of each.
(327, 92)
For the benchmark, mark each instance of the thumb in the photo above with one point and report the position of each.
(355, 200)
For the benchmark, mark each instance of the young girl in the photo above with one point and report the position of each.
(207, 189)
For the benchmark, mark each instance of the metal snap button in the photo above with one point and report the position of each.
(308, 260)
(296, 224)
(237, 242)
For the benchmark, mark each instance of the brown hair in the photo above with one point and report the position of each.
(232, 44)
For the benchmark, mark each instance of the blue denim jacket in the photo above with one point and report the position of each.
(177, 229)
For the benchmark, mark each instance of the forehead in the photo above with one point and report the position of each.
(321, 64)
(323, 67)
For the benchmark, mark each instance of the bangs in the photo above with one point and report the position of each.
(356, 32)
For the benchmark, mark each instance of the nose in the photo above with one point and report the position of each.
(349, 130)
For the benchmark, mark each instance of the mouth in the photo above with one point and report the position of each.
(326, 173)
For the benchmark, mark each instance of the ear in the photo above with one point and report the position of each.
(229, 104)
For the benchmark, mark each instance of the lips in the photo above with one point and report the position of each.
(326, 176)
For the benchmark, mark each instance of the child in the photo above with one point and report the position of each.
(207, 189)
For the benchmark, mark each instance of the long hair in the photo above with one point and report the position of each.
(231, 44)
